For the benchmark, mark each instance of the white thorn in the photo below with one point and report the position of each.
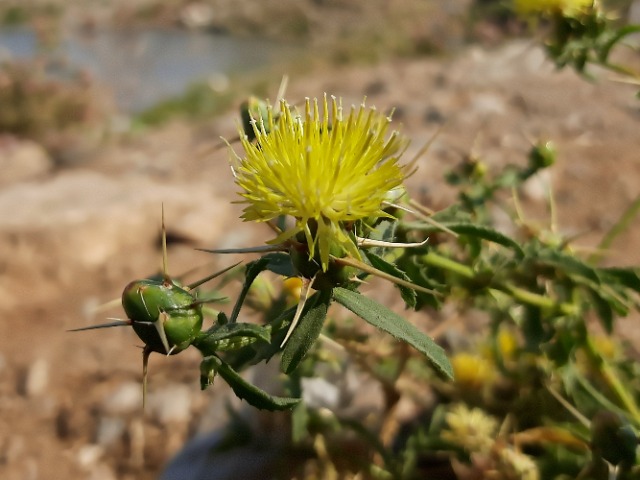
(367, 242)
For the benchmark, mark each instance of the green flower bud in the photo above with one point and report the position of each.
(542, 155)
(166, 317)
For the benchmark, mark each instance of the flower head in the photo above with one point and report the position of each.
(470, 428)
(568, 8)
(324, 170)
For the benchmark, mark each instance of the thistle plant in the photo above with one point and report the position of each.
(329, 185)
(336, 177)
(579, 33)
(323, 181)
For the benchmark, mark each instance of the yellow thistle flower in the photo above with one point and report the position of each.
(568, 8)
(322, 169)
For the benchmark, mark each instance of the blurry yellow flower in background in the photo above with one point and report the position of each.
(293, 287)
(470, 428)
(322, 169)
(471, 370)
(567, 7)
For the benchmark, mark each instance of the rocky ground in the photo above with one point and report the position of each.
(71, 238)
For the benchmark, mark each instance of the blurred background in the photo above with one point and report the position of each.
(110, 109)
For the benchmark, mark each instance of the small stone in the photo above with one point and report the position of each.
(320, 393)
(89, 455)
(110, 431)
(127, 398)
(37, 378)
(171, 404)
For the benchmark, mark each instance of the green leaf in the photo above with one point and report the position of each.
(570, 265)
(243, 389)
(420, 274)
(280, 264)
(299, 423)
(209, 342)
(471, 230)
(384, 231)
(388, 321)
(629, 277)
(486, 233)
(306, 332)
(264, 352)
(408, 294)
(252, 271)
(604, 310)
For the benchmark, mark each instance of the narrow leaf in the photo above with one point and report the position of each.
(388, 321)
(570, 265)
(206, 341)
(253, 270)
(306, 333)
(243, 389)
(408, 294)
(604, 310)
(280, 264)
(471, 230)
(629, 277)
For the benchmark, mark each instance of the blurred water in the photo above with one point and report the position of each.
(145, 66)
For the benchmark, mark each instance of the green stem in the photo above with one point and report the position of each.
(534, 299)
(520, 294)
(618, 228)
(436, 260)
(611, 378)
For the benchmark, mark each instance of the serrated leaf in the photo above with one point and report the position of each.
(486, 233)
(471, 230)
(409, 295)
(388, 321)
(306, 332)
(629, 277)
(570, 265)
(454, 213)
(383, 231)
(206, 341)
(253, 395)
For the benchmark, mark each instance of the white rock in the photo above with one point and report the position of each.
(320, 393)
(89, 455)
(110, 431)
(172, 404)
(37, 378)
(126, 399)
